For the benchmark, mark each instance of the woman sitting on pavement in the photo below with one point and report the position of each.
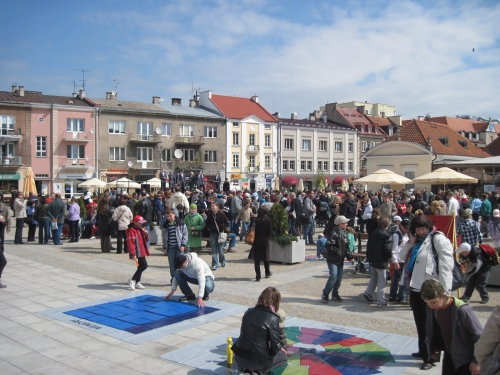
(259, 340)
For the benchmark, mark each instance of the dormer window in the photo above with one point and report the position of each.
(369, 128)
(376, 130)
(462, 142)
(463, 133)
(443, 140)
(470, 135)
(477, 136)
(391, 131)
(362, 128)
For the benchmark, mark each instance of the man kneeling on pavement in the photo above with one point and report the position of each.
(194, 270)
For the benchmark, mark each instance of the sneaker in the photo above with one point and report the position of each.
(192, 297)
(138, 285)
(368, 297)
(392, 299)
(321, 257)
(230, 250)
(223, 265)
(132, 284)
(214, 268)
(464, 298)
(92, 238)
(483, 302)
(404, 302)
(384, 305)
(206, 297)
(2, 285)
(269, 275)
(324, 298)
(337, 299)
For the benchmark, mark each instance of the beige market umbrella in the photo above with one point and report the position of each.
(123, 183)
(301, 185)
(154, 182)
(93, 182)
(345, 185)
(29, 183)
(384, 177)
(445, 175)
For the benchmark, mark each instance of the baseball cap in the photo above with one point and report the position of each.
(396, 218)
(496, 213)
(406, 223)
(321, 235)
(462, 248)
(431, 289)
(139, 219)
(341, 220)
(467, 212)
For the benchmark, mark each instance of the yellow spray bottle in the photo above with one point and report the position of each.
(229, 352)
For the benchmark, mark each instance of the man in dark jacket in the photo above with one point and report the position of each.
(181, 180)
(374, 199)
(419, 203)
(348, 209)
(459, 329)
(226, 186)
(378, 252)
(56, 212)
(337, 249)
(146, 210)
(295, 214)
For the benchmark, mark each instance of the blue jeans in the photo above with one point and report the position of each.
(172, 254)
(244, 230)
(232, 240)
(335, 279)
(56, 234)
(44, 229)
(183, 280)
(402, 293)
(307, 230)
(217, 251)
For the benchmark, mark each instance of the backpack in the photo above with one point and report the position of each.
(490, 254)
(200, 203)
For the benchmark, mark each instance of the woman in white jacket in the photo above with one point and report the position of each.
(124, 216)
(420, 265)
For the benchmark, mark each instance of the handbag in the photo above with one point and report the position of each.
(53, 225)
(222, 237)
(28, 220)
(458, 277)
(491, 365)
(305, 219)
(250, 236)
(196, 233)
(113, 227)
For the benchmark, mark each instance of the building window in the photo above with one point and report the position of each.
(411, 176)
(210, 156)
(210, 132)
(251, 139)
(369, 129)
(236, 161)
(470, 136)
(166, 130)
(335, 165)
(166, 155)
(341, 166)
(302, 165)
(236, 124)
(41, 147)
(363, 163)
(75, 151)
(350, 147)
(7, 123)
(144, 153)
(292, 165)
(338, 146)
(145, 128)
(320, 165)
(236, 139)
(309, 165)
(188, 154)
(186, 130)
(267, 161)
(382, 114)
(267, 140)
(75, 125)
(267, 126)
(349, 166)
(390, 130)
(288, 144)
(323, 146)
(251, 161)
(325, 166)
(364, 146)
(285, 165)
(116, 127)
(306, 145)
(376, 130)
(117, 154)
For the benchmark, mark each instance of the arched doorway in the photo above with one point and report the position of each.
(252, 184)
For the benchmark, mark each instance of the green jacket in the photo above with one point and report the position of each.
(485, 208)
(197, 222)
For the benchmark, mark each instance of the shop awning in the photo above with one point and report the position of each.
(290, 180)
(10, 176)
(338, 180)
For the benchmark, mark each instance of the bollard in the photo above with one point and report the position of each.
(229, 352)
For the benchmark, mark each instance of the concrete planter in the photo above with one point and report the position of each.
(494, 276)
(289, 254)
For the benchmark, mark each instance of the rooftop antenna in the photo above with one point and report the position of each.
(83, 80)
(116, 84)
(74, 86)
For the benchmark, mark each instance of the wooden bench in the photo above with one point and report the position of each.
(359, 267)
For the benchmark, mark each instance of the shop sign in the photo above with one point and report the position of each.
(75, 176)
(236, 175)
(244, 179)
(10, 176)
(269, 176)
(147, 173)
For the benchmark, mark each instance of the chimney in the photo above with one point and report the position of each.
(193, 102)
(21, 90)
(276, 115)
(255, 98)
(294, 116)
(361, 109)
(75, 95)
(176, 101)
(312, 117)
(429, 145)
(81, 93)
(325, 118)
(156, 100)
(14, 88)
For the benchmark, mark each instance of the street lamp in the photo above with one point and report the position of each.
(160, 149)
(2, 143)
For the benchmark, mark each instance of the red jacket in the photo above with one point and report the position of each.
(137, 242)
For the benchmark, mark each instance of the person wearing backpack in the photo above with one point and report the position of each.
(478, 271)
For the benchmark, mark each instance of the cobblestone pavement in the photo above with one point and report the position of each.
(41, 277)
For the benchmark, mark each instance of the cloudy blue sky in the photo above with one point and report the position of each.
(296, 54)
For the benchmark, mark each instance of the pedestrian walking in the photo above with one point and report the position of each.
(137, 242)
(260, 247)
(124, 217)
(20, 214)
(74, 220)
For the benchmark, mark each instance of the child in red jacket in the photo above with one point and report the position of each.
(137, 241)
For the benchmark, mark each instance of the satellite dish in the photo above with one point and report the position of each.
(130, 164)
(158, 131)
(178, 154)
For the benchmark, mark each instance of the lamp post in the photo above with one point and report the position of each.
(2, 143)
(160, 149)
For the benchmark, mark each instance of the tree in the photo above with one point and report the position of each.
(319, 181)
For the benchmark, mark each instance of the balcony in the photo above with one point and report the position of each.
(69, 163)
(11, 135)
(192, 141)
(144, 138)
(183, 164)
(253, 149)
(77, 137)
(133, 163)
(253, 170)
(11, 161)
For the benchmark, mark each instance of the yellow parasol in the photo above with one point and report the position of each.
(29, 183)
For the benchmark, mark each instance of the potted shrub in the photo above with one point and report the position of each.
(284, 247)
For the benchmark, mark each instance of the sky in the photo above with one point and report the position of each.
(296, 55)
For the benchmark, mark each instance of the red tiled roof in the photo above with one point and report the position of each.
(353, 117)
(380, 121)
(494, 147)
(459, 124)
(240, 108)
(418, 132)
(38, 97)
